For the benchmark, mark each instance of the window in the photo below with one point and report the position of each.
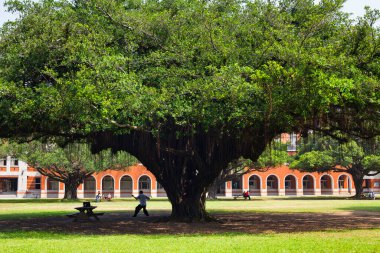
(253, 184)
(108, 183)
(376, 184)
(52, 184)
(126, 183)
(3, 162)
(144, 183)
(89, 184)
(324, 184)
(8, 184)
(341, 183)
(14, 162)
(272, 182)
(37, 183)
(290, 182)
(308, 182)
(236, 184)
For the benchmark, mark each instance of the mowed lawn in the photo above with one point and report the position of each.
(39, 208)
(367, 240)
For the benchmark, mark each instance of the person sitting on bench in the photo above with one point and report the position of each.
(246, 195)
(108, 197)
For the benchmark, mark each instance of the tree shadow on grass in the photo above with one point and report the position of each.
(116, 223)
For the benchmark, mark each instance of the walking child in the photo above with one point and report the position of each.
(142, 198)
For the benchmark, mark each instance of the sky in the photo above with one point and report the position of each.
(356, 7)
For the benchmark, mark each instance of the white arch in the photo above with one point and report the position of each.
(278, 181)
(296, 179)
(261, 180)
(331, 178)
(125, 175)
(101, 182)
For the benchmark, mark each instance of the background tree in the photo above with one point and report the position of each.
(357, 157)
(70, 164)
(274, 155)
(187, 86)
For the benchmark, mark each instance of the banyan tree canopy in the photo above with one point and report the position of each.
(187, 86)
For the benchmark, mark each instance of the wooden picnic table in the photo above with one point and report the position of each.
(85, 212)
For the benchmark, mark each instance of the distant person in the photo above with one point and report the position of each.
(142, 198)
(98, 197)
(246, 195)
(109, 197)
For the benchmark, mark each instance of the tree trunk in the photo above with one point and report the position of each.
(188, 208)
(71, 190)
(358, 182)
(357, 173)
(185, 163)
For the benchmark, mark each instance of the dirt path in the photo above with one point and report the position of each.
(122, 223)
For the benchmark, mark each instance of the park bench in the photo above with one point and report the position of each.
(238, 196)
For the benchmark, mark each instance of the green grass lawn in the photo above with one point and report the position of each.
(347, 241)
(328, 241)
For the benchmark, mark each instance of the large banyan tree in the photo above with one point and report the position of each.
(187, 86)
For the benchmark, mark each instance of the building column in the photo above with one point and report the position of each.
(281, 192)
(135, 187)
(61, 195)
(8, 158)
(43, 194)
(153, 188)
(80, 194)
(228, 188)
(299, 192)
(153, 193)
(22, 180)
(263, 192)
(317, 191)
(116, 193)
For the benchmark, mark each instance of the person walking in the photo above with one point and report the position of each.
(142, 198)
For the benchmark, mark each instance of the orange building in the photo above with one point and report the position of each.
(17, 180)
